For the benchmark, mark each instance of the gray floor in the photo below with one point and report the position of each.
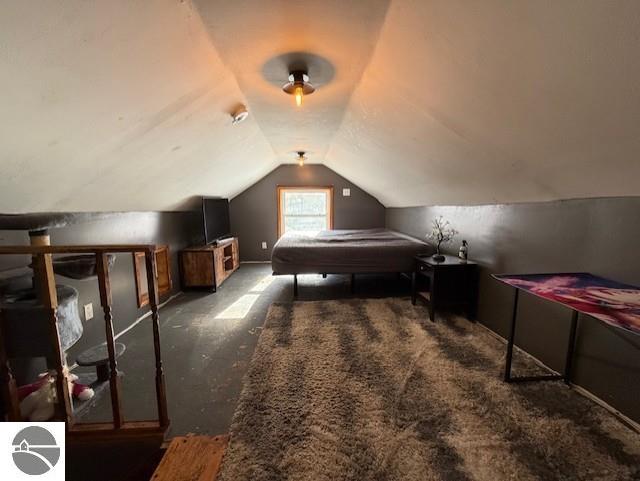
(207, 343)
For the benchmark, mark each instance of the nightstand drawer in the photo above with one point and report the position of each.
(424, 267)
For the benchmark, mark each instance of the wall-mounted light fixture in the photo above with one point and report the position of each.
(298, 85)
(301, 157)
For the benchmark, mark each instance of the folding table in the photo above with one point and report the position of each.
(611, 302)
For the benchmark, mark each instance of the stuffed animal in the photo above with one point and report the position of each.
(80, 391)
(37, 400)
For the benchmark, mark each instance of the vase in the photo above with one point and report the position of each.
(437, 257)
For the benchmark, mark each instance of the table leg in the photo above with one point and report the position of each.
(413, 288)
(295, 285)
(570, 348)
(472, 309)
(511, 342)
(432, 309)
(512, 336)
(432, 296)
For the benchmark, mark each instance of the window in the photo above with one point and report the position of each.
(304, 209)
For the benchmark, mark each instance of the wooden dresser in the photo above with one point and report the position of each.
(209, 266)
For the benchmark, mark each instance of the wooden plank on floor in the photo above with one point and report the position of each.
(192, 458)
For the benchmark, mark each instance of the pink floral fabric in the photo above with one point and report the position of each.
(612, 302)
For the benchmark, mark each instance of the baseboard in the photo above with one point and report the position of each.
(579, 389)
(136, 322)
(589, 395)
(147, 314)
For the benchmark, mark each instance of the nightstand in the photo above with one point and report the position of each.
(452, 282)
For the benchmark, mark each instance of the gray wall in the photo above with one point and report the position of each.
(595, 235)
(254, 216)
(177, 229)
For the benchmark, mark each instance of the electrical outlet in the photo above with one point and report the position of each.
(346, 192)
(264, 245)
(88, 311)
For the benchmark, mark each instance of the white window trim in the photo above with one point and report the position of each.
(328, 190)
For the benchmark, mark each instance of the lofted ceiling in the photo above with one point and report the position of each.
(125, 105)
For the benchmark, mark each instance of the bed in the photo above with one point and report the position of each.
(346, 252)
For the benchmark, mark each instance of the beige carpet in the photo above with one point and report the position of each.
(368, 390)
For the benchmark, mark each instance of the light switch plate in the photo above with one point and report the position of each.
(88, 311)
(264, 245)
(346, 192)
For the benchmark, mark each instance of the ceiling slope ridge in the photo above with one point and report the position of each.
(225, 63)
(260, 41)
(233, 105)
(519, 203)
(354, 184)
(383, 26)
(372, 53)
(365, 71)
(467, 106)
(106, 155)
(228, 63)
(103, 103)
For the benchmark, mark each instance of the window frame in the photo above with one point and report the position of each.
(280, 191)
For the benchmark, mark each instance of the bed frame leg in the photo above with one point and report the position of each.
(353, 283)
(295, 285)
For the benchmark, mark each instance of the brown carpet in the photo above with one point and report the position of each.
(368, 390)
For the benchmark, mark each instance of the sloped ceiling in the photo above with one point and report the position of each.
(125, 105)
(497, 101)
(118, 105)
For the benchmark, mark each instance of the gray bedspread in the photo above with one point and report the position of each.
(346, 251)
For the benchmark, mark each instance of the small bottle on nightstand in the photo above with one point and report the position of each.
(463, 253)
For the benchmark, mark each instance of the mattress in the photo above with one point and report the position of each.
(346, 252)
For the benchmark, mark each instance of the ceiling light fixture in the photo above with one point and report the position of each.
(298, 85)
(301, 158)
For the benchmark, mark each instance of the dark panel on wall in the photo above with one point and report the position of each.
(176, 229)
(254, 216)
(593, 235)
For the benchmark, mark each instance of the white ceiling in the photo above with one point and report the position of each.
(125, 105)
